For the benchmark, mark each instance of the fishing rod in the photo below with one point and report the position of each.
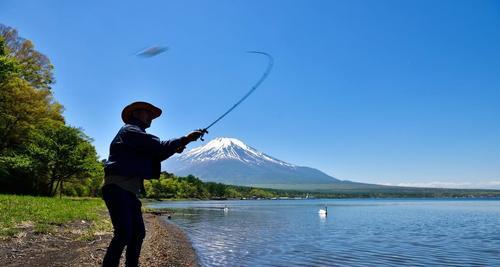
(155, 50)
(255, 86)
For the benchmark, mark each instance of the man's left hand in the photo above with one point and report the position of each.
(180, 149)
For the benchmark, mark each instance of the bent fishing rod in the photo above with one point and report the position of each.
(255, 86)
(155, 50)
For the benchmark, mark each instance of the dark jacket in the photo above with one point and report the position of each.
(135, 153)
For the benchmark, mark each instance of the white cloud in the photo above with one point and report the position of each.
(440, 184)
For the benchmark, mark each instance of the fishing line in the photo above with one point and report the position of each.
(156, 50)
(255, 86)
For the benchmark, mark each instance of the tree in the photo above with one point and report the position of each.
(26, 100)
(216, 190)
(38, 152)
(60, 154)
(22, 108)
(56, 154)
(260, 193)
(232, 193)
(8, 66)
(36, 67)
(95, 180)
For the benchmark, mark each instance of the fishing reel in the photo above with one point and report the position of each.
(203, 132)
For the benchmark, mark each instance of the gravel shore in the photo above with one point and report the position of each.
(165, 245)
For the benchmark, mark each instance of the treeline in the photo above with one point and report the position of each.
(171, 186)
(39, 153)
(436, 193)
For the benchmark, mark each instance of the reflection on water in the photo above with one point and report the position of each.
(354, 233)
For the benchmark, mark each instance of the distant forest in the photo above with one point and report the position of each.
(170, 186)
(190, 187)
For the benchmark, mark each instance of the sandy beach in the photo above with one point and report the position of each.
(165, 245)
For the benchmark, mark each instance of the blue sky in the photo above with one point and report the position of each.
(393, 92)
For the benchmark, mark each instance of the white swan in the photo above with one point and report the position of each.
(323, 211)
(226, 209)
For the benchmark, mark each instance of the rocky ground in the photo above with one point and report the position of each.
(164, 245)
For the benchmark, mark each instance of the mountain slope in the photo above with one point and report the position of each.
(230, 161)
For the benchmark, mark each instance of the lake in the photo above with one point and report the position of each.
(356, 232)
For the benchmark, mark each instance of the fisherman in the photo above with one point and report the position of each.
(134, 156)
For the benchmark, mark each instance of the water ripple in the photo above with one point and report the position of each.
(355, 233)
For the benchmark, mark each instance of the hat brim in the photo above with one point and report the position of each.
(128, 110)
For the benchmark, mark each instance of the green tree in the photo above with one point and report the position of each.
(216, 190)
(22, 109)
(56, 154)
(62, 154)
(260, 193)
(36, 67)
(232, 193)
(95, 180)
(38, 152)
(8, 66)
(197, 185)
(26, 99)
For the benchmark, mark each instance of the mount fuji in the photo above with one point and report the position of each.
(230, 161)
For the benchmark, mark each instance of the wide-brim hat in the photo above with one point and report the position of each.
(128, 110)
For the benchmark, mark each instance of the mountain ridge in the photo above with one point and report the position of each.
(231, 161)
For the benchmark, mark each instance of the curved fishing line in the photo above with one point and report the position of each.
(255, 86)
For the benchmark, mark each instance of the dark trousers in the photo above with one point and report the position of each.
(125, 212)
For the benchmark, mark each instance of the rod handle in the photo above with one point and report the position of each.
(203, 132)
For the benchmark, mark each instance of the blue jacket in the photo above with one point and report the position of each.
(135, 153)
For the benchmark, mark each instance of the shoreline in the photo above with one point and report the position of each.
(165, 244)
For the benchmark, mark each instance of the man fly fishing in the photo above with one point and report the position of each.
(134, 155)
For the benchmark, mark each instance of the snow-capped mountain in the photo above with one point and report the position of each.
(230, 161)
(230, 149)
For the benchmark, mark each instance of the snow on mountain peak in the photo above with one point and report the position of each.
(222, 142)
(224, 148)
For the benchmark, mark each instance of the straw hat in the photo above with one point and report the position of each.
(128, 110)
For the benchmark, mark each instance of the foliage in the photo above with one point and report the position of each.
(63, 154)
(173, 187)
(190, 187)
(26, 99)
(8, 66)
(261, 193)
(39, 153)
(34, 67)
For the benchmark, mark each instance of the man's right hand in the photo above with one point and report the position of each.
(194, 135)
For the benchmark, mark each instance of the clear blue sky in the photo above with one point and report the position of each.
(395, 92)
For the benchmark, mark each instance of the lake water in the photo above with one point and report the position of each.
(356, 232)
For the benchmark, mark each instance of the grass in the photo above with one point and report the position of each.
(44, 214)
